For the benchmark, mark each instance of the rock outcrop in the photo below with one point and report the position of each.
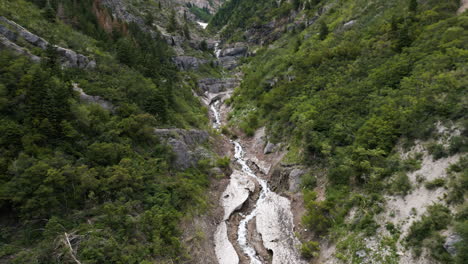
(229, 56)
(68, 58)
(214, 85)
(186, 63)
(7, 44)
(93, 99)
(186, 145)
(450, 243)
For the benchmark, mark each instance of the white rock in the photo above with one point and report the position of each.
(275, 224)
(225, 252)
(236, 193)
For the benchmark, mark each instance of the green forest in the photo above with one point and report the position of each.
(65, 165)
(345, 98)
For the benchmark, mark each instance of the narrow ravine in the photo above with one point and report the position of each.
(271, 213)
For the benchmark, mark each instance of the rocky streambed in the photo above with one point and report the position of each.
(258, 224)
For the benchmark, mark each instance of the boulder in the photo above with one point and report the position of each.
(295, 179)
(450, 243)
(269, 148)
(349, 24)
(234, 51)
(10, 35)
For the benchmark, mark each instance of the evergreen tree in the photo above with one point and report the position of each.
(172, 26)
(413, 6)
(49, 12)
(323, 30)
(296, 4)
(186, 31)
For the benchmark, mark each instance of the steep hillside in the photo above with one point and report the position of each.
(293, 131)
(372, 97)
(92, 167)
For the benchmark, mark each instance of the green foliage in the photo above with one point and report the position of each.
(462, 247)
(323, 30)
(201, 13)
(310, 249)
(223, 162)
(436, 183)
(436, 218)
(172, 25)
(401, 184)
(101, 177)
(317, 217)
(437, 151)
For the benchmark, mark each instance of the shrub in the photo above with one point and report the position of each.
(309, 181)
(436, 218)
(316, 217)
(223, 162)
(437, 151)
(458, 144)
(401, 184)
(436, 183)
(310, 249)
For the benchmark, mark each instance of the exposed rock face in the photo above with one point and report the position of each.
(119, 9)
(7, 44)
(450, 243)
(274, 222)
(295, 179)
(185, 145)
(187, 63)
(93, 99)
(269, 148)
(229, 56)
(214, 85)
(68, 58)
(211, 5)
(236, 193)
(349, 24)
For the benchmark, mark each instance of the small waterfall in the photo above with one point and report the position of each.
(217, 115)
(242, 230)
(217, 50)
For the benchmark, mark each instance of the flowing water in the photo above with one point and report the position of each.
(271, 212)
(242, 230)
(217, 115)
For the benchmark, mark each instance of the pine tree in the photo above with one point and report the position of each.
(186, 31)
(49, 12)
(172, 26)
(413, 6)
(323, 30)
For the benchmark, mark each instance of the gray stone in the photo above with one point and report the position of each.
(187, 63)
(361, 253)
(216, 172)
(10, 35)
(186, 145)
(349, 24)
(69, 58)
(214, 85)
(295, 179)
(93, 99)
(450, 243)
(7, 44)
(234, 51)
(269, 148)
